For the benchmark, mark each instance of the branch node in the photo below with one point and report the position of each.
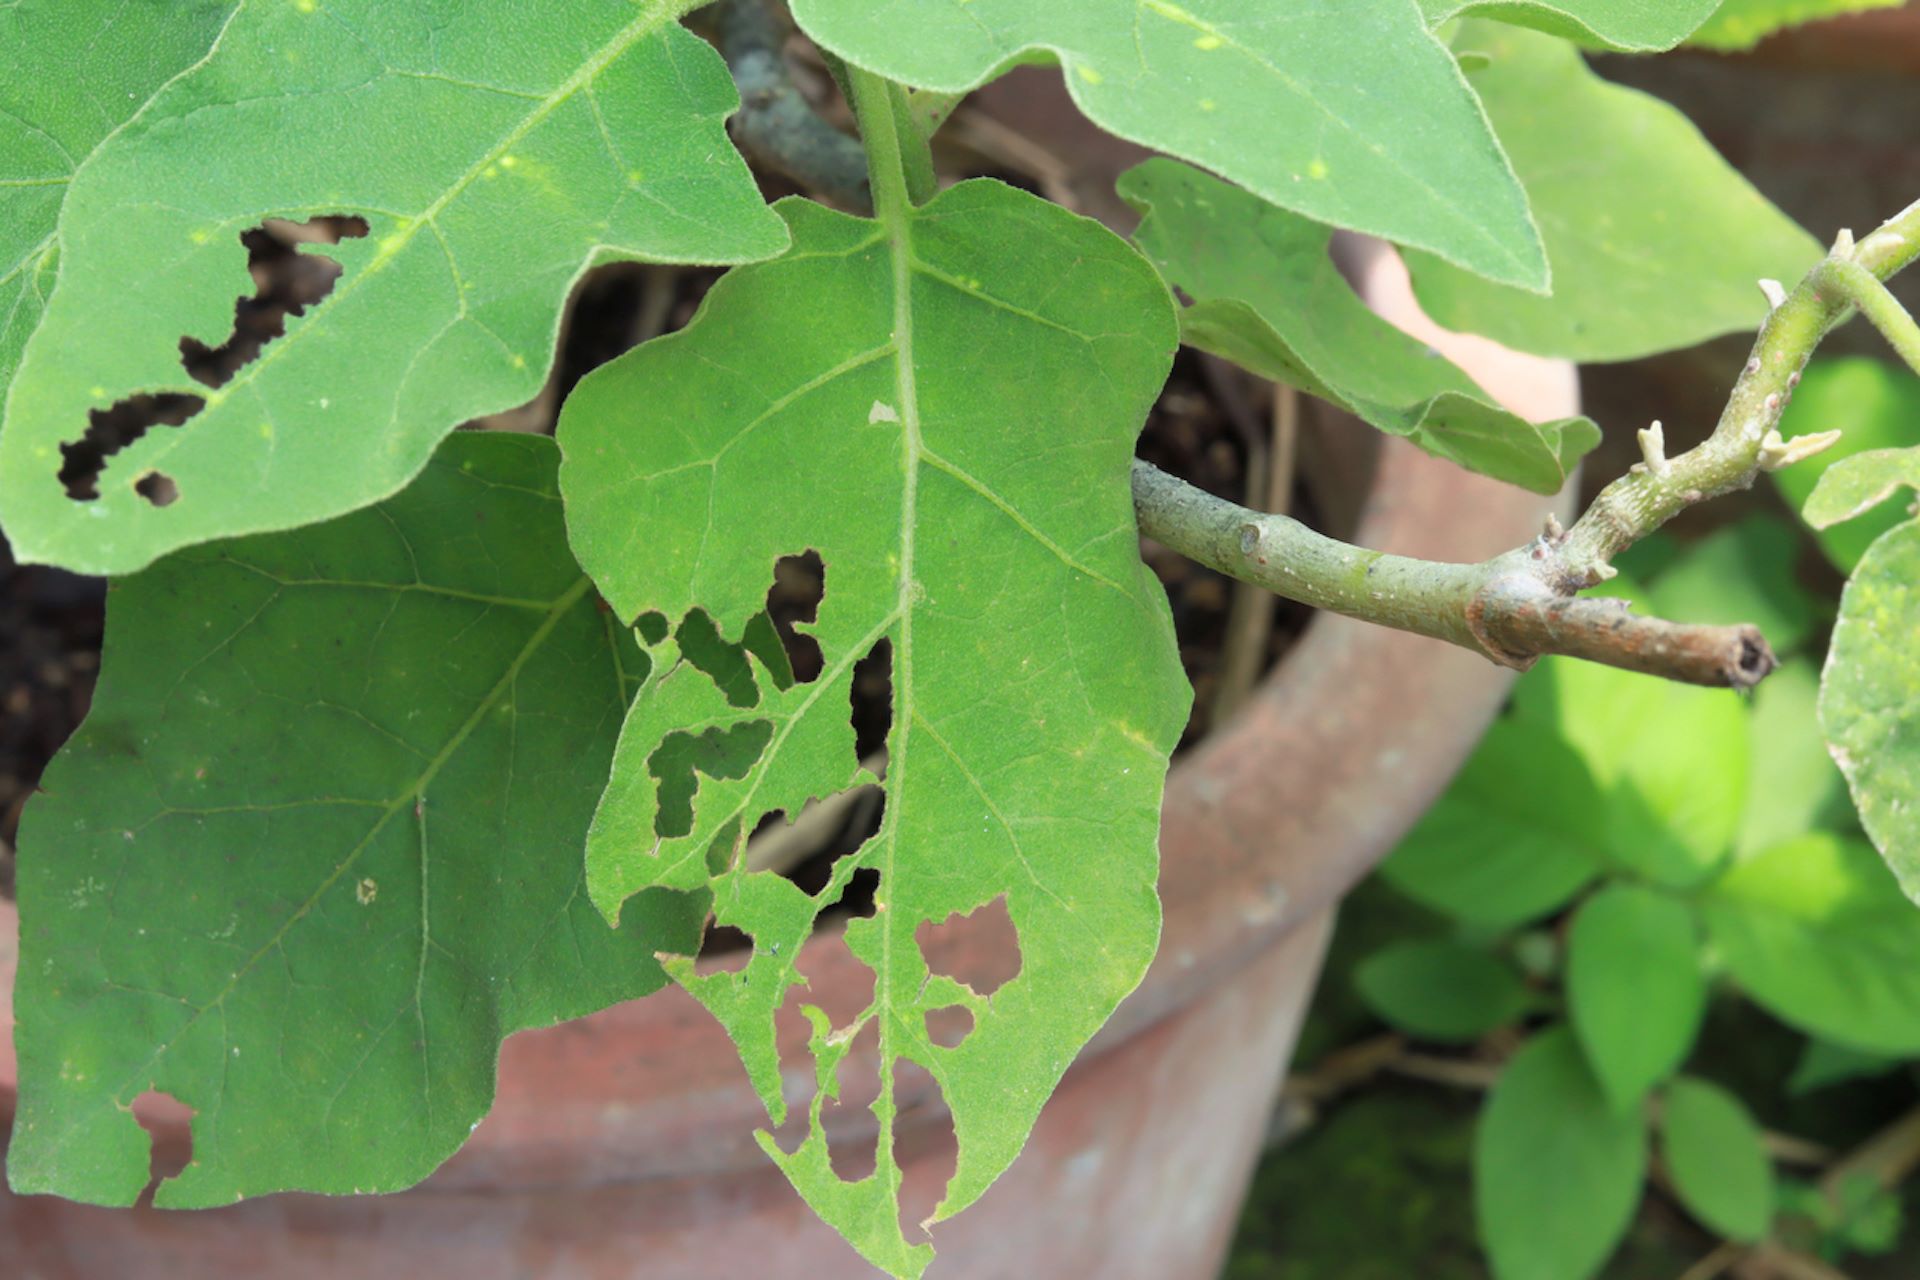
(1653, 449)
(1554, 530)
(1776, 293)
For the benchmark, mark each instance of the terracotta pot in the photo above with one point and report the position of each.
(620, 1145)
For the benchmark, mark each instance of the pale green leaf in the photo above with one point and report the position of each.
(1795, 786)
(1817, 931)
(317, 849)
(71, 72)
(1266, 296)
(1556, 1171)
(1718, 1162)
(1352, 114)
(1875, 405)
(1513, 837)
(1870, 699)
(1744, 572)
(981, 530)
(494, 156)
(1855, 485)
(1440, 990)
(1741, 24)
(1654, 240)
(1634, 988)
(1638, 26)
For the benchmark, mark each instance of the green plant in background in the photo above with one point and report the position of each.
(1598, 894)
(405, 741)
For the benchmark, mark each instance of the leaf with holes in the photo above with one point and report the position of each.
(1266, 296)
(978, 530)
(316, 850)
(1870, 697)
(1638, 26)
(489, 156)
(111, 59)
(1352, 114)
(1655, 241)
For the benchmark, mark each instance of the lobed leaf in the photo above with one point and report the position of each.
(493, 153)
(1719, 1164)
(1818, 933)
(1636, 26)
(1351, 114)
(316, 851)
(1870, 697)
(980, 532)
(110, 59)
(1741, 24)
(1557, 1173)
(1654, 241)
(1876, 406)
(1634, 988)
(1266, 296)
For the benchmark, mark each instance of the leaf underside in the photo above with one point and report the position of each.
(1637, 26)
(493, 154)
(1352, 114)
(1654, 240)
(1741, 24)
(316, 850)
(944, 411)
(1266, 296)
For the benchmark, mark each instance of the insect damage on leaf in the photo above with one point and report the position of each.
(981, 571)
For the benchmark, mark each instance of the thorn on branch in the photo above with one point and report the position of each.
(1843, 244)
(1776, 293)
(1653, 451)
(1776, 452)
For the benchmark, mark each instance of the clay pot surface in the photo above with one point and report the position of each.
(621, 1145)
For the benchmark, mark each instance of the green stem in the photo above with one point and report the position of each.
(1881, 308)
(899, 164)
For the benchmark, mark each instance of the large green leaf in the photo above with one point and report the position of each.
(1817, 931)
(1741, 24)
(1654, 240)
(1352, 114)
(1870, 698)
(1795, 787)
(1513, 838)
(72, 72)
(1556, 1172)
(1266, 296)
(1718, 1162)
(1634, 988)
(943, 407)
(316, 851)
(494, 156)
(1637, 25)
(1876, 406)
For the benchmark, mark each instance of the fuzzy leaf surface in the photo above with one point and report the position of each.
(1870, 697)
(944, 408)
(1636, 26)
(316, 850)
(1267, 297)
(111, 58)
(1654, 240)
(494, 153)
(1352, 114)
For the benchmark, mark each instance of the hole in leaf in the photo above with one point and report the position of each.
(111, 430)
(717, 752)
(853, 1132)
(799, 584)
(286, 282)
(949, 1025)
(158, 488)
(168, 1122)
(652, 626)
(924, 1147)
(873, 703)
(980, 950)
(824, 964)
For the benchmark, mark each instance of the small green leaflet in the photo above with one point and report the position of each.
(1309, 106)
(1855, 485)
(1266, 296)
(1654, 240)
(1634, 988)
(1741, 24)
(316, 851)
(1870, 698)
(1439, 989)
(494, 157)
(1716, 1156)
(1637, 26)
(110, 57)
(1875, 405)
(839, 400)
